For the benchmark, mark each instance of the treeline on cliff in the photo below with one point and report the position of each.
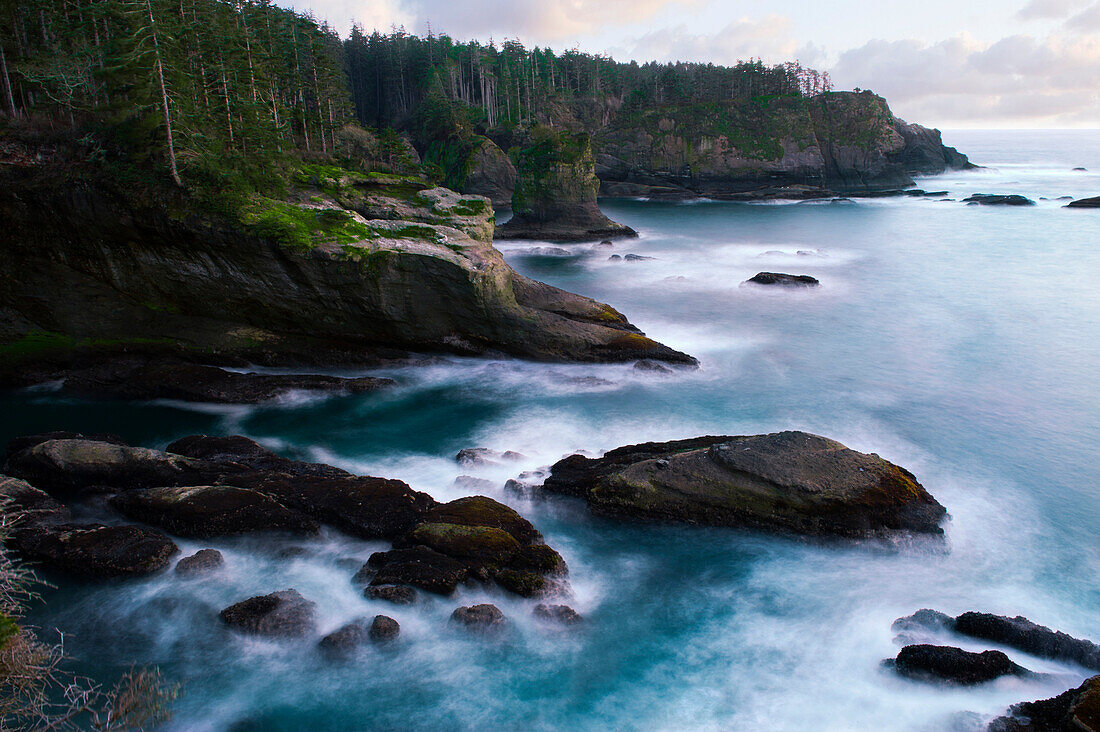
(391, 75)
(186, 83)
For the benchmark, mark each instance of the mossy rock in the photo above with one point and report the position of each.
(524, 584)
(484, 511)
(485, 543)
(539, 558)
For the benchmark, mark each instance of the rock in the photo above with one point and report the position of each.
(484, 511)
(606, 243)
(24, 505)
(145, 379)
(249, 453)
(525, 583)
(545, 252)
(988, 199)
(96, 551)
(653, 366)
(485, 543)
(68, 467)
(615, 258)
(1085, 203)
(477, 456)
(1038, 640)
(490, 173)
(922, 623)
(384, 628)
(562, 614)
(345, 639)
(790, 481)
(776, 278)
(419, 567)
(280, 614)
(1080, 170)
(636, 258)
(954, 665)
(539, 558)
(396, 594)
(209, 511)
(19, 444)
(1076, 710)
(368, 507)
(479, 617)
(555, 193)
(201, 562)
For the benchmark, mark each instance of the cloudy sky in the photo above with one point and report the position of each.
(947, 63)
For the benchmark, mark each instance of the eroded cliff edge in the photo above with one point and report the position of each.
(348, 265)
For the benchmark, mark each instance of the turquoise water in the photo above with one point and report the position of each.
(962, 342)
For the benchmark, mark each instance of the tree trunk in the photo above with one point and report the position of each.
(9, 101)
(164, 99)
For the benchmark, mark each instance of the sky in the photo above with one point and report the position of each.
(950, 64)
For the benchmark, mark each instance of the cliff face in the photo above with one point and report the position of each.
(556, 188)
(840, 141)
(390, 263)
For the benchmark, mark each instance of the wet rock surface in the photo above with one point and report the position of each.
(201, 562)
(281, 614)
(479, 617)
(1093, 202)
(561, 614)
(249, 453)
(954, 665)
(95, 551)
(993, 199)
(1075, 710)
(789, 481)
(786, 280)
(210, 511)
(383, 628)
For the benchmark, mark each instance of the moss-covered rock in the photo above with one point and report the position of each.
(467, 542)
(210, 511)
(482, 511)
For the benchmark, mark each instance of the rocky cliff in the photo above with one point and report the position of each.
(556, 188)
(839, 141)
(348, 264)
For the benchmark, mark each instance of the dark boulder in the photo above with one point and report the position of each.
(481, 543)
(281, 614)
(1080, 170)
(397, 594)
(249, 453)
(95, 551)
(538, 558)
(201, 562)
(954, 665)
(653, 366)
(526, 583)
(384, 628)
(209, 511)
(141, 379)
(789, 280)
(345, 639)
(27, 506)
(1076, 710)
(921, 624)
(636, 258)
(419, 567)
(790, 481)
(479, 617)
(364, 506)
(990, 199)
(1093, 202)
(68, 467)
(1038, 640)
(562, 614)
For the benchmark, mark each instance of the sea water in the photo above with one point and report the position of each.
(962, 342)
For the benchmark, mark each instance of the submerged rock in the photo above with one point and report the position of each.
(384, 628)
(249, 453)
(954, 665)
(652, 366)
(141, 379)
(777, 278)
(201, 562)
(1093, 202)
(479, 617)
(67, 467)
(210, 511)
(1038, 640)
(345, 639)
(562, 614)
(991, 199)
(281, 614)
(791, 481)
(1076, 710)
(95, 551)
(419, 567)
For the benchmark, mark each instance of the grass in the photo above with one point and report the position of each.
(41, 342)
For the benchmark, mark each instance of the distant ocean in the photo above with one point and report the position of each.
(962, 342)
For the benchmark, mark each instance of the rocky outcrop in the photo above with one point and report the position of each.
(1076, 710)
(782, 147)
(1085, 203)
(555, 194)
(479, 617)
(249, 453)
(788, 481)
(353, 267)
(210, 511)
(954, 665)
(996, 199)
(95, 551)
(143, 379)
(490, 173)
(283, 614)
(201, 562)
(787, 280)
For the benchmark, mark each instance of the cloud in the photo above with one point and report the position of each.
(1086, 21)
(963, 81)
(1044, 9)
(769, 38)
(544, 20)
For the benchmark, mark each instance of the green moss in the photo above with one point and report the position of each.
(302, 228)
(42, 343)
(469, 207)
(160, 308)
(8, 629)
(524, 584)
